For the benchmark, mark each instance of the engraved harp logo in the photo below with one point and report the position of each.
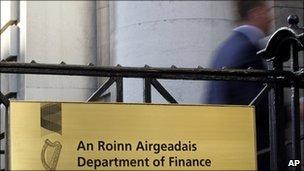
(50, 154)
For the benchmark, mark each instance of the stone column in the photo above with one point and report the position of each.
(56, 31)
(165, 33)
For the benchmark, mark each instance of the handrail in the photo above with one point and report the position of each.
(9, 23)
(266, 76)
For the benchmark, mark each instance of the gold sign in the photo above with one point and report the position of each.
(89, 136)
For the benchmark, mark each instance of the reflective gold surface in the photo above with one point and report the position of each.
(224, 137)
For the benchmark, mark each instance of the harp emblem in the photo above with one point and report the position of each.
(50, 154)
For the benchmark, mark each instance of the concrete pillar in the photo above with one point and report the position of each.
(165, 33)
(56, 31)
(103, 40)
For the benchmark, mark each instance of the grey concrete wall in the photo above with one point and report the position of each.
(165, 33)
(59, 31)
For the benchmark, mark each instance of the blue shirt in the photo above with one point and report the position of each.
(237, 52)
(253, 33)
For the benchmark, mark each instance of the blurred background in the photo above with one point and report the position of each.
(129, 33)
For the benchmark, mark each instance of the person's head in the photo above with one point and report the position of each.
(255, 12)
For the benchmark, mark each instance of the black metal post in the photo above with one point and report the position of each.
(7, 132)
(147, 90)
(119, 89)
(3, 100)
(2, 152)
(276, 125)
(295, 110)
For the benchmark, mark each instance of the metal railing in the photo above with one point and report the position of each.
(283, 45)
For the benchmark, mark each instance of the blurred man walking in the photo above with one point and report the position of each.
(239, 52)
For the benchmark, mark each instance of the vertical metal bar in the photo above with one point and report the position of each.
(4, 100)
(2, 135)
(7, 133)
(295, 111)
(119, 89)
(276, 125)
(147, 90)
